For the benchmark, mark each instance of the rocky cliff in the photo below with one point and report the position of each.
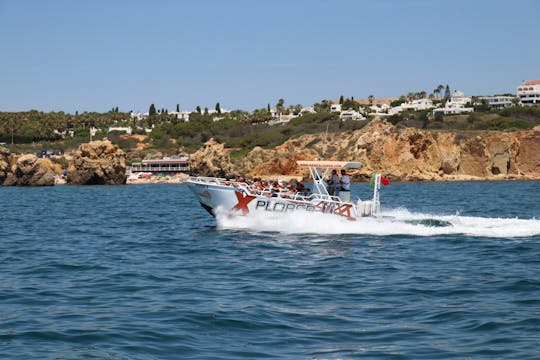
(98, 163)
(401, 154)
(5, 167)
(212, 160)
(26, 170)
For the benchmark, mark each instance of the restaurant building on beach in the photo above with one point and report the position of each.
(165, 166)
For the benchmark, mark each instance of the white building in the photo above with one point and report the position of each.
(126, 129)
(181, 115)
(419, 104)
(395, 110)
(282, 119)
(413, 105)
(307, 110)
(138, 116)
(335, 108)
(379, 109)
(456, 105)
(498, 101)
(351, 115)
(529, 93)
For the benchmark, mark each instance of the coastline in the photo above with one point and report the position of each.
(135, 179)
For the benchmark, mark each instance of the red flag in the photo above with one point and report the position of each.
(384, 181)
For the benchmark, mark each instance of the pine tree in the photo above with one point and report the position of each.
(198, 109)
(177, 107)
(205, 111)
(152, 110)
(268, 107)
(341, 100)
(447, 93)
(218, 108)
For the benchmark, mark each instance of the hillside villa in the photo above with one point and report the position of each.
(456, 105)
(529, 93)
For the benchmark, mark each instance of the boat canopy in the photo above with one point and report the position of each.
(329, 164)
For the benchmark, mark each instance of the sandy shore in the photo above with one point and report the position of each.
(153, 179)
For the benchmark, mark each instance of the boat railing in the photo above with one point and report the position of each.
(211, 180)
(297, 196)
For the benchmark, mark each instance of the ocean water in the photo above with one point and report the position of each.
(452, 271)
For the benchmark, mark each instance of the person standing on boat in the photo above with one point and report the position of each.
(334, 183)
(345, 188)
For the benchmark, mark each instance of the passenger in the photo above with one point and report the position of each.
(293, 184)
(257, 183)
(345, 187)
(334, 183)
(272, 187)
(241, 180)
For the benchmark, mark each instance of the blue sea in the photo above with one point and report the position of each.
(451, 271)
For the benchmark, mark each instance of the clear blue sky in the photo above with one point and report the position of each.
(94, 55)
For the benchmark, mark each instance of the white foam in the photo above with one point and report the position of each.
(393, 222)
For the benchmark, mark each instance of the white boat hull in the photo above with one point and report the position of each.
(220, 195)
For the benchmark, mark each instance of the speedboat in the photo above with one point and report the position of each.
(242, 198)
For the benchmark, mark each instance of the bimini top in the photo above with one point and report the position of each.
(329, 164)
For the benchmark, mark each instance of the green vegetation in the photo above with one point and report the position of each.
(32, 131)
(245, 132)
(415, 119)
(514, 118)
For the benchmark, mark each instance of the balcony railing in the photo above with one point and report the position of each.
(146, 168)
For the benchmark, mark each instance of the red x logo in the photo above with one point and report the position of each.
(243, 202)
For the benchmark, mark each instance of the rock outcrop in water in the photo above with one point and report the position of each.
(5, 167)
(98, 163)
(29, 170)
(401, 154)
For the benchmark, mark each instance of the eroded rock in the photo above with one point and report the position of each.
(98, 163)
(30, 170)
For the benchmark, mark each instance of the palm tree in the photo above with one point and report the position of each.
(12, 123)
(279, 106)
(438, 90)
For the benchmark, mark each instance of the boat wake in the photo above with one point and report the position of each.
(393, 222)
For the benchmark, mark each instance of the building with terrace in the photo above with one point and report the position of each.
(166, 166)
(497, 102)
(529, 93)
(456, 105)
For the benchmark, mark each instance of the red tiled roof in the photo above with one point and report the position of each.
(532, 82)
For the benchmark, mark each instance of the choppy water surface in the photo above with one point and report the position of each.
(138, 272)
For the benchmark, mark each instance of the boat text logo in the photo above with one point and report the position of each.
(322, 207)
